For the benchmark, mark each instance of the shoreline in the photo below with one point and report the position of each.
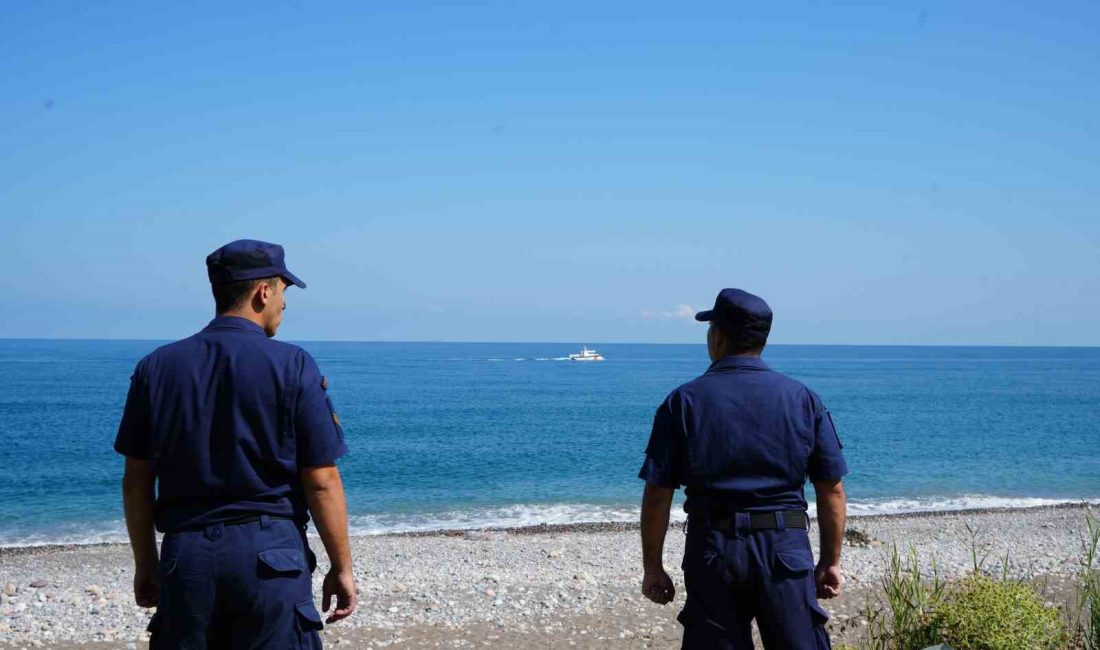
(586, 527)
(626, 526)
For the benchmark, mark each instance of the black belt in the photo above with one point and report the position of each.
(251, 519)
(236, 521)
(762, 521)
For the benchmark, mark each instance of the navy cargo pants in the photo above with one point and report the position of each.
(236, 586)
(733, 576)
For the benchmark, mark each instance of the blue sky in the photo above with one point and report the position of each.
(881, 173)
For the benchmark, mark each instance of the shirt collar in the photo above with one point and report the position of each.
(738, 363)
(235, 323)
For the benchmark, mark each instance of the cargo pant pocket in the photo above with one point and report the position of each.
(820, 617)
(307, 624)
(162, 636)
(153, 628)
(699, 630)
(703, 632)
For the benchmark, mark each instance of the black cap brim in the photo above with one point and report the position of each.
(293, 279)
(705, 316)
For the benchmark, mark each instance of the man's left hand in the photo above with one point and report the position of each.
(828, 579)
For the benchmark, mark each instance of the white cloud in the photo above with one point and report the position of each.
(680, 312)
(685, 312)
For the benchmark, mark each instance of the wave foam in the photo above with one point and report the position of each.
(521, 515)
(512, 516)
(902, 505)
(516, 516)
(107, 532)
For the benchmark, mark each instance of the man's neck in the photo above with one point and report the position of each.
(751, 354)
(241, 313)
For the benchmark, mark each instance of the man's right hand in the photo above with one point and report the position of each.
(658, 587)
(325, 496)
(146, 589)
(828, 579)
(342, 585)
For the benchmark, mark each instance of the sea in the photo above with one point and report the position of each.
(476, 435)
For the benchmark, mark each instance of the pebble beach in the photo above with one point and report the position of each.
(539, 587)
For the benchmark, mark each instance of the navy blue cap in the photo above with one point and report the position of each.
(248, 259)
(740, 315)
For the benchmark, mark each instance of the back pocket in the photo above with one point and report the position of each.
(793, 564)
(285, 562)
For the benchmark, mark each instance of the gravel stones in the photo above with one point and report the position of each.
(577, 587)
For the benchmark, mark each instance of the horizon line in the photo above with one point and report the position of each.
(571, 342)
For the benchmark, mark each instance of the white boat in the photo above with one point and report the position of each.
(586, 355)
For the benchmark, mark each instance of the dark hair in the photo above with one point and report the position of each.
(744, 342)
(231, 295)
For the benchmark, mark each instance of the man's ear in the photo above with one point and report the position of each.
(262, 296)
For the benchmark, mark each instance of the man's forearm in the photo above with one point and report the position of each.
(330, 517)
(138, 499)
(831, 515)
(656, 503)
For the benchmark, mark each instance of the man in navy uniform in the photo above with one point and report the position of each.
(239, 437)
(742, 439)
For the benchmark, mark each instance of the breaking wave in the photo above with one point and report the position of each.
(521, 515)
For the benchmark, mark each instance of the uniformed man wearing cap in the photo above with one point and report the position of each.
(239, 437)
(742, 440)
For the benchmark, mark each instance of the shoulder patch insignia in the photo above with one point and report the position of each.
(324, 383)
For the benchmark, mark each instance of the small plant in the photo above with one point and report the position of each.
(979, 554)
(904, 620)
(1088, 599)
(981, 613)
(975, 548)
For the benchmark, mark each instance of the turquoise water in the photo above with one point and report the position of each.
(464, 435)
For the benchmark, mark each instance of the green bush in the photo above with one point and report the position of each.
(915, 611)
(980, 613)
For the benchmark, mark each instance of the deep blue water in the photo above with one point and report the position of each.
(459, 434)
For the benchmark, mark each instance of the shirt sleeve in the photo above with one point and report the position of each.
(826, 460)
(134, 438)
(319, 437)
(663, 464)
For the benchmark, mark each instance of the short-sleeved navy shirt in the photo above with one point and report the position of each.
(742, 437)
(228, 417)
